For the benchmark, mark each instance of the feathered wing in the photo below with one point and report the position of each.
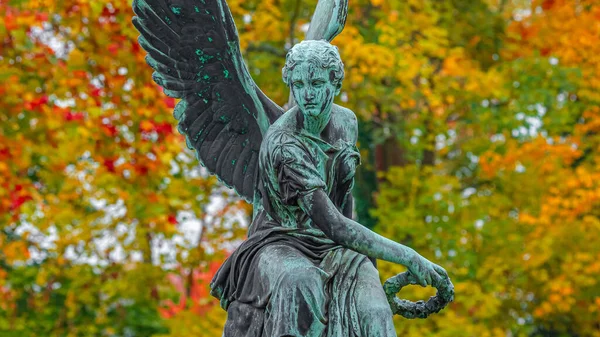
(194, 49)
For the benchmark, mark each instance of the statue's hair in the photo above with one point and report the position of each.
(320, 53)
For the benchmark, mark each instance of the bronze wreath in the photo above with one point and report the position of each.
(419, 309)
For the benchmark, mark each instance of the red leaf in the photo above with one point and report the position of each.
(17, 201)
(4, 153)
(74, 116)
(41, 17)
(164, 128)
(135, 48)
(35, 104)
(545, 51)
(113, 48)
(214, 267)
(109, 130)
(95, 92)
(166, 312)
(80, 73)
(142, 169)
(109, 164)
(547, 4)
(169, 102)
(10, 22)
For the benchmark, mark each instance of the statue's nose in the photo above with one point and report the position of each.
(309, 94)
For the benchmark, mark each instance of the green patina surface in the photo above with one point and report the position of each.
(308, 158)
(307, 135)
(202, 57)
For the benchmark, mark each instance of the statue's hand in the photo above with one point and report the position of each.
(425, 273)
(420, 309)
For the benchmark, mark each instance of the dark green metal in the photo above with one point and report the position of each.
(307, 268)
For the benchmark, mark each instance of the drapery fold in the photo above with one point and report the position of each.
(288, 278)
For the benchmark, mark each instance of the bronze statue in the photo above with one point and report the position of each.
(306, 269)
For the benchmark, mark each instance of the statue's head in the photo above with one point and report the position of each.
(314, 72)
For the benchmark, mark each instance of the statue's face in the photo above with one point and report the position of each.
(312, 89)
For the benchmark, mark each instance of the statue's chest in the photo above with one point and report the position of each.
(332, 162)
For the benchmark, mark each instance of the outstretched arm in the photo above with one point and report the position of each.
(353, 235)
(347, 211)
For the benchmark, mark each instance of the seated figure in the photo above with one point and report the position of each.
(306, 269)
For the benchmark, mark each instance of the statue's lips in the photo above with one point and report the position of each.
(311, 105)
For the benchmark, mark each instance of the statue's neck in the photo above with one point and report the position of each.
(314, 125)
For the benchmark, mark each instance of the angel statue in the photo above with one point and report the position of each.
(306, 268)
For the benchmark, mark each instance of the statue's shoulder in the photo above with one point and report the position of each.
(279, 134)
(283, 126)
(344, 123)
(343, 112)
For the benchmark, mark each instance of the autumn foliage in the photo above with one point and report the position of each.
(479, 132)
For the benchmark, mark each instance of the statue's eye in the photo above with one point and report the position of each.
(298, 84)
(318, 83)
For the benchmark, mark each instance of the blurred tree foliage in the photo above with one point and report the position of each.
(479, 136)
(96, 187)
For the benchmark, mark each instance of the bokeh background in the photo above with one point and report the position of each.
(479, 133)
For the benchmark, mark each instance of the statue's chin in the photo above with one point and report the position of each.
(312, 112)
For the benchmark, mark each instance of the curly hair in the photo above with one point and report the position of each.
(320, 53)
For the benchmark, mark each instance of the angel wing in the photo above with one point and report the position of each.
(194, 49)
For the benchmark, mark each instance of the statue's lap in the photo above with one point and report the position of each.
(298, 293)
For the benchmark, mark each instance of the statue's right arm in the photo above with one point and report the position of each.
(353, 235)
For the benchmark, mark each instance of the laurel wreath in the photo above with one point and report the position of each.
(419, 309)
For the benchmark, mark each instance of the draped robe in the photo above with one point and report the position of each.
(288, 278)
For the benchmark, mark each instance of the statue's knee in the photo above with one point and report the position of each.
(377, 320)
(303, 278)
(376, 313)
(243, 317)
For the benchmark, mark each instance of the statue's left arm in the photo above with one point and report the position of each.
(353, 235)
(348, 212)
